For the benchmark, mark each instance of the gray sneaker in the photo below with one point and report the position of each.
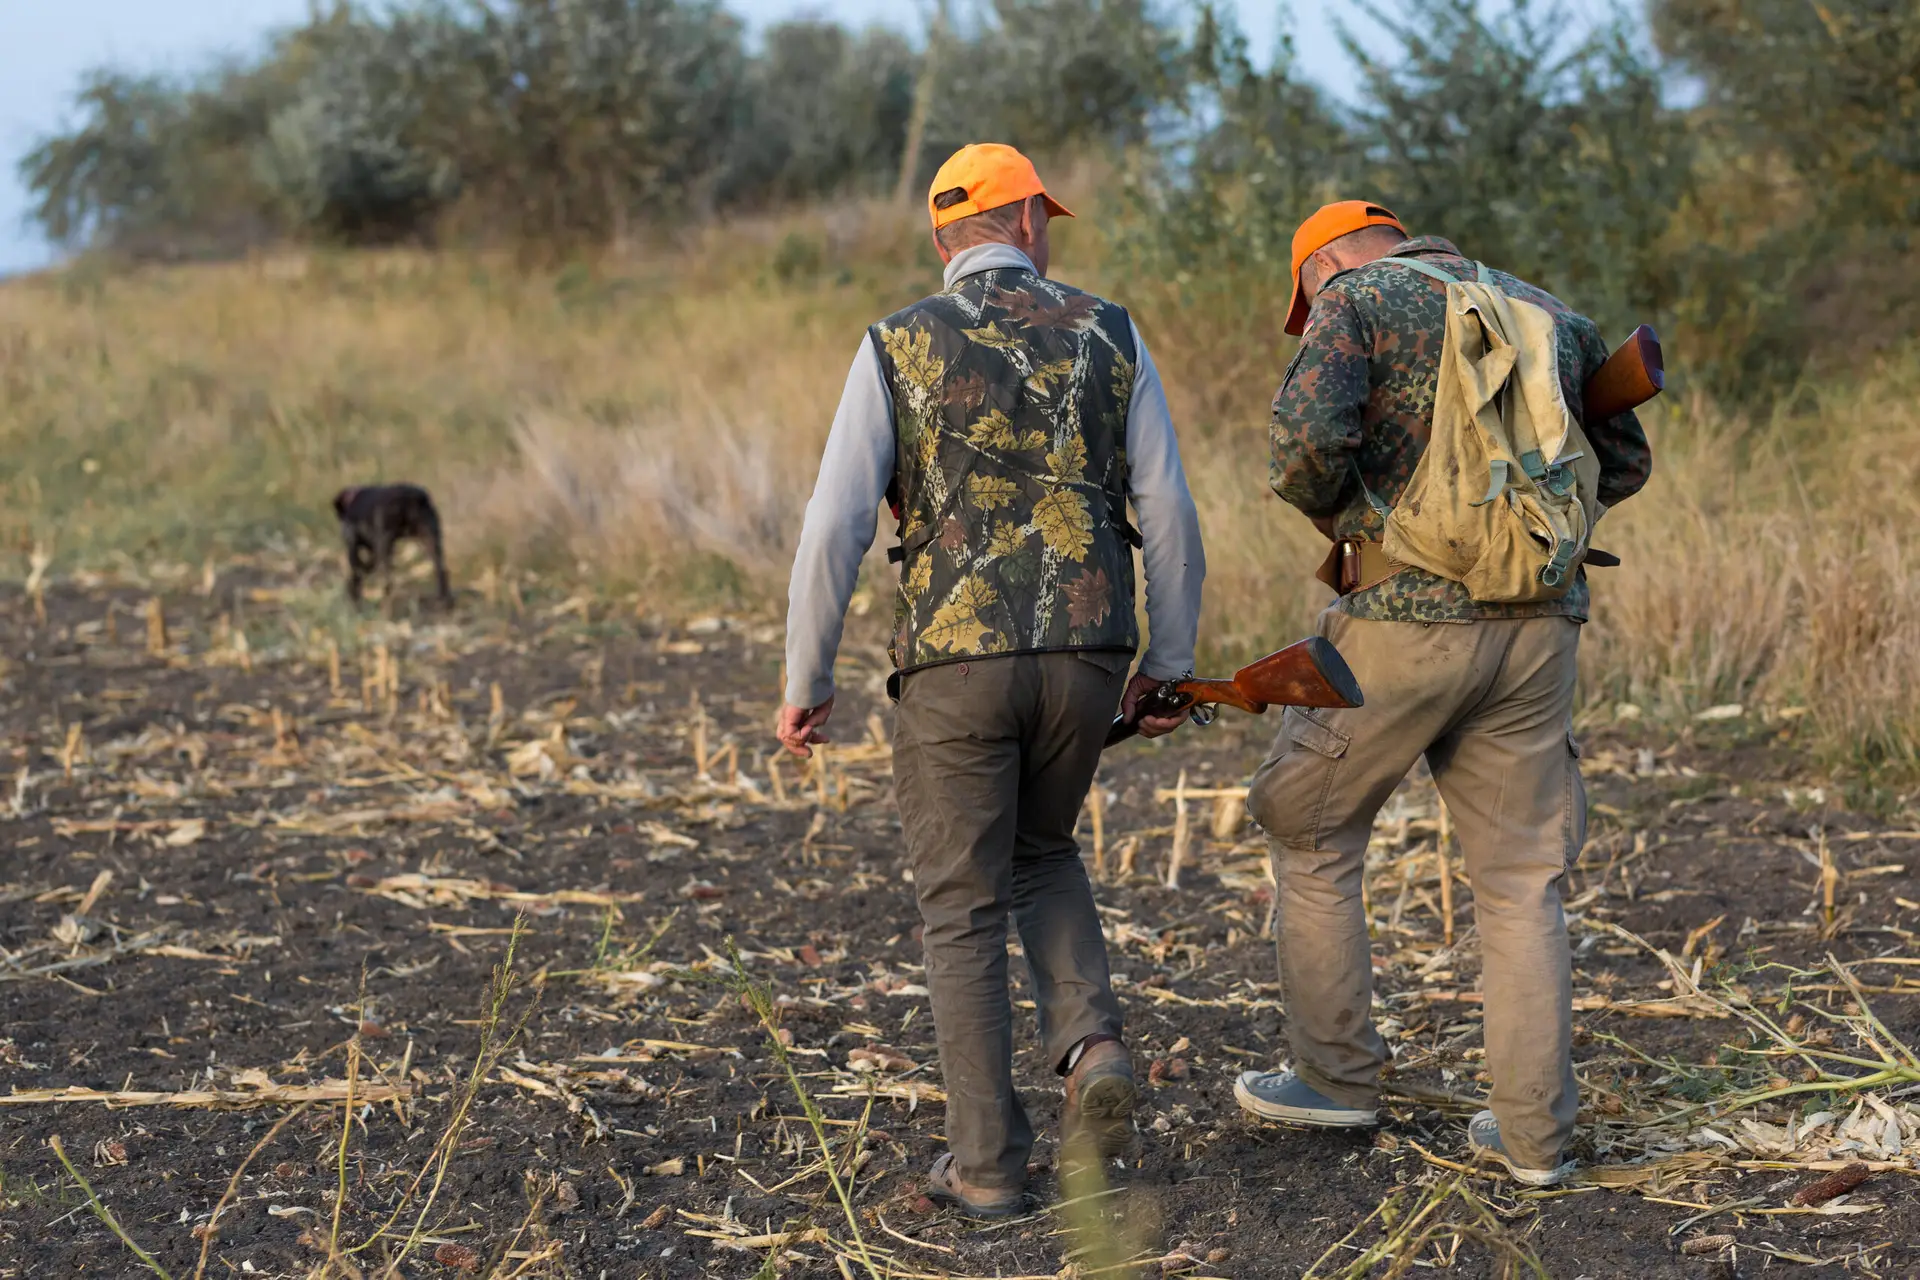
(1284, 1096)
(1483, 1135)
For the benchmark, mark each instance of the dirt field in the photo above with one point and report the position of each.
(245, 889)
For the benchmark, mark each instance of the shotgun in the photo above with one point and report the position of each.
(1632, 375)
(1308, 674)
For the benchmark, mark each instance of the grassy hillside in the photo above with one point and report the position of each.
(653, 421)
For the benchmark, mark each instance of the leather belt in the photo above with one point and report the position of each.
(1355, 564)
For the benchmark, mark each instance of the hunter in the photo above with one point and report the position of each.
(1479, 679)
(1007, 420)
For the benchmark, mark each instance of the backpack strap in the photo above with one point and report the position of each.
(1481, 273)
(1427, 269)
(1380, 507)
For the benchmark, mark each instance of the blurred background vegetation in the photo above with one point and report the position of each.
(592, 270)
(1712, 165)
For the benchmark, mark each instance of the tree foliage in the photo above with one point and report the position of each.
(1534, 135)
(1832, 89)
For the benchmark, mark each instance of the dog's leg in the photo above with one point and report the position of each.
(431, 524)
(356, 568)
(383, 540)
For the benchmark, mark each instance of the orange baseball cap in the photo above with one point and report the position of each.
(992, 174)
(1328, 224)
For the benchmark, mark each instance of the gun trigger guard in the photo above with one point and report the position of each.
(1202, 714)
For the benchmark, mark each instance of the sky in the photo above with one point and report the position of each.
(45, 45)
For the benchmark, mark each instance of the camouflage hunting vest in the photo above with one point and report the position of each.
(1010, 397)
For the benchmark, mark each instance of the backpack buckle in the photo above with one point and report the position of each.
(1554, 572)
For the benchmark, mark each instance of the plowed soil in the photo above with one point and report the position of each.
(233, 882)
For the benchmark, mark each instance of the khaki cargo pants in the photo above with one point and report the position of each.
(1489, 704)
(992, 760)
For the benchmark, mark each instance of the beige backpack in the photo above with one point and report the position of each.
(1503, 500)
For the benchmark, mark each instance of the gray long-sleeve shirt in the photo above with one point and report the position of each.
(859, 463)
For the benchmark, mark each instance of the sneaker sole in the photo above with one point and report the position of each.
(1105, 1115)
(1521, 1174)
(1310, 1117)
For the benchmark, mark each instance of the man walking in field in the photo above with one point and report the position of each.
(1008, 420)
(1478, 679)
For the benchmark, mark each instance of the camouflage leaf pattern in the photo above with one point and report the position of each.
(1356, 404)
(1010, 400)
(959, 626)
(1089, 597)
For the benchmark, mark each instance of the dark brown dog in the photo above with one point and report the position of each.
(373, 518)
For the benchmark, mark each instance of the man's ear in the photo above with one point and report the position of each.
(1325, 267)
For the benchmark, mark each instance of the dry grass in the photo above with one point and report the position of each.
(655, 421)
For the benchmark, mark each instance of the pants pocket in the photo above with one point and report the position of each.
(1576, 820)
(1289, 793)
(1111, 661)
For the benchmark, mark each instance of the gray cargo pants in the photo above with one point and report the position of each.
(1490, 706)
(992, 760)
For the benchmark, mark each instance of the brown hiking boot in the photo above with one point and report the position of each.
(946, 1188)
(1098, 1112)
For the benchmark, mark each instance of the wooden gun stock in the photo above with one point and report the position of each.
(1632, 375)
(1308, 674)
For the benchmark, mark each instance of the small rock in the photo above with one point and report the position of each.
(567, 1196)
(809, 956)
(1219, 1255)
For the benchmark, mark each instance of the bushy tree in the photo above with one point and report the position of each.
(349, 156)
(1832, 88)
(1535, 147)
(826, 111)
(577, 116)
(158, 164)
(1257, 150)
(1057, 73)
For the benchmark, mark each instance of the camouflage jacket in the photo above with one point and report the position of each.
(1010, 396)
(1357, 403)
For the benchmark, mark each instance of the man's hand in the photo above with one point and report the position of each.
(799, 727)
(1137, 688)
